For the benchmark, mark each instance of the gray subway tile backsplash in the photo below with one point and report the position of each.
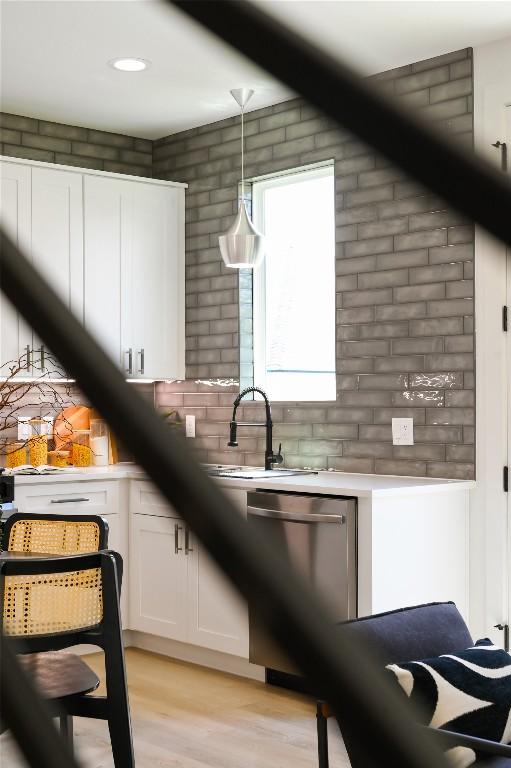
(404, 267)
(406, 311)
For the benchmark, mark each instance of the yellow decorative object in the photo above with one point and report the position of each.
(17, 455)
(82, 454)
(53, 603)
(38, 450)
(59, 458)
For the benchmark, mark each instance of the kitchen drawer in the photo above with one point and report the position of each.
(81, 498)
(145, 499)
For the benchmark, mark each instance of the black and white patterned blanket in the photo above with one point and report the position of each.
(467, 692)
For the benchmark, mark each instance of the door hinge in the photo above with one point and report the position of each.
(504, 318)
(506, 479)
(503, 153)
(504, 628)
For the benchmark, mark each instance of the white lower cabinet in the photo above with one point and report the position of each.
(171, 587)
(176, 591)
(157, 577)
(217, 615)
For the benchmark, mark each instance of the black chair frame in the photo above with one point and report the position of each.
(451, 634)
(107, 635)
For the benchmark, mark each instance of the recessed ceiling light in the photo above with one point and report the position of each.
(129, 64)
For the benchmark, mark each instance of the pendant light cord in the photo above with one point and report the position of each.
(242, 159)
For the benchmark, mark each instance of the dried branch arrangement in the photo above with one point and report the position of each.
(39, 391)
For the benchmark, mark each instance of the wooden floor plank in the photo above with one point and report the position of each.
(186, 716)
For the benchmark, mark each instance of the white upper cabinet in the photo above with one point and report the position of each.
(107, 208)
(43, 212)
(15, 216)
(57, 233)
(134, 274)
(113, 250)
(57, 241)
(157, 271)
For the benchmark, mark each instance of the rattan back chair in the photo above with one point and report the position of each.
(26, 612)
(55, 534)
(54, 602)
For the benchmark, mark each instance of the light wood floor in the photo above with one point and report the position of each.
(186, 716)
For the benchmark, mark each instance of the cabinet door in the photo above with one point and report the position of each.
(217, 615)
(157, 592)
(57, 243)
(57, 233)
(157, 281)
(107, 238)
(116, 538)
(15, 215)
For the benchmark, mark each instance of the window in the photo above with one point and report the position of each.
(294, 288)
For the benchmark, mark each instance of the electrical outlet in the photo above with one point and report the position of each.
(190, 426)
(402, 431)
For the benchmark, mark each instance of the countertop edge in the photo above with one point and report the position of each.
(306, 484)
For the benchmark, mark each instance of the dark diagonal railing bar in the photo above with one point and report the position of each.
(348, 679)
(471, 185)
(27, 717)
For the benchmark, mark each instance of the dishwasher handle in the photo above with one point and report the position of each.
(296, 517)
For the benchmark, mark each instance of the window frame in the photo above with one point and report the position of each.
(258, 187)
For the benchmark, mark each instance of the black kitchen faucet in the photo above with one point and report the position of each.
(269, 457)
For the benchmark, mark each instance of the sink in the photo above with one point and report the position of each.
(254, 473)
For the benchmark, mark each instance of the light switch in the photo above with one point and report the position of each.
(190, 425)
(402, 431)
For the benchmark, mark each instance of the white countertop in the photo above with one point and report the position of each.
(325, 483)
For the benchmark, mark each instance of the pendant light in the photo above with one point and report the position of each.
(242, 246)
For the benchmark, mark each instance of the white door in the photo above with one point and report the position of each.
(217, 615)
(15, 215)
(158, 566)
(157, 281)
(107, 238)
(57, 241)
(499, 550)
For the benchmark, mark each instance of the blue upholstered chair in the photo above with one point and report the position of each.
(404, 635)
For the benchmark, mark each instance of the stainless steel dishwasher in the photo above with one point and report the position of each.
(317, 534)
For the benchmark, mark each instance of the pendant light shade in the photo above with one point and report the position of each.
(242, 246)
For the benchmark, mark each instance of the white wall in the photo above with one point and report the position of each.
(489, 527)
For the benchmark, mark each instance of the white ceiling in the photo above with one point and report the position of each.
(54, 55)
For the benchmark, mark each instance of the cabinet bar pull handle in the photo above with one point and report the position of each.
(129, 369)
(29, 357)
(67, 501)
(188, 548)
(142, 360)
(42, 357)
(177, 548)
